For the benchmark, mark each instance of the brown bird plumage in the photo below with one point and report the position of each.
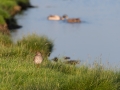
(71, 20)
(38, 59)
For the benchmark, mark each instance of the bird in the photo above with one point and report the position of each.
(74, 20)
(71, 20)
(54, 17)
(55, 59)
(66, 58)
(64, 17)
(38, 59)
(72, 62)
(57, 17)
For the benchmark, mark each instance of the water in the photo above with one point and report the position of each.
(96, 38)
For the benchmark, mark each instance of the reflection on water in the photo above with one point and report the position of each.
(95, 38)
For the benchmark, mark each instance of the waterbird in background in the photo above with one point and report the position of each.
(55, 59)
(38, 59)
(66, 58)
(54, 17)
(72, 62)
(71, 20)
(64, 17)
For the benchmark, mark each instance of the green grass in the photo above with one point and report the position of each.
(2, 21)
(7, 8)
(17, 71)
(7, 5)
(35, 43)
(5, 40)
(4, 13)
(23, 1)
(31, 43)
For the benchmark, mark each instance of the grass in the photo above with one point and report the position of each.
(7, 8)
(34, 43)
(26, 45)
(7, 5)
(4, 13)
(23, 1)
(2, 21)
(5, 40)
(17, 71)
(17, 74)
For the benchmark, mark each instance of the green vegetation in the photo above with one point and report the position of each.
(33, 43)
(17, 71)
(29, 44)
(7, 8)
(7, 5)
(4, 14)
(2, 21)
(23, 1)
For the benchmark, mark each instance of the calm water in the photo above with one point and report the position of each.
(96, 38)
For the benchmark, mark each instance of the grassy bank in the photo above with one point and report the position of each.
(17, 71)
(9, 8)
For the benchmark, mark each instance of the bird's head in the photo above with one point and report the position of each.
(38, 53)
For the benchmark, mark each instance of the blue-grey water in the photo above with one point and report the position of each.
(96, 38)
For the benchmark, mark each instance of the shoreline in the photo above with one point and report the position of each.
(8, 23)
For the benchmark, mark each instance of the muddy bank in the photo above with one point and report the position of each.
(25, 6)
(4, 29)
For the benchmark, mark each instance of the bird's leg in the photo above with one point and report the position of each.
(38, 65)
